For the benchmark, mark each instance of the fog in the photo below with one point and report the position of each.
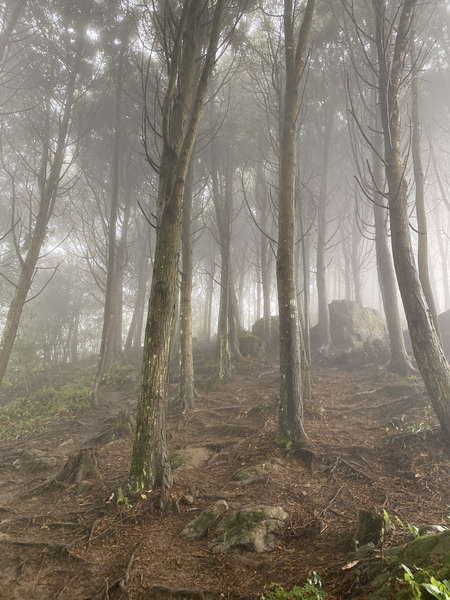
(82, 130)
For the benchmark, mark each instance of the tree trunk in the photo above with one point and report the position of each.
(134, 336)
(223, 197)
(419, 178)
(430, 358)
(48, 187)
(186, 391)
(264, 262)
(290, 421)
(181, 113)
(399, 362)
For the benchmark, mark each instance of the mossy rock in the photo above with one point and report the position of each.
(425, 556)
(271, 466)
(250, 345)
(253, 528)
(189, 458)
(423, 551)
(202, 525)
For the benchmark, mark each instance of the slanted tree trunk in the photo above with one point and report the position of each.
(48, 180)
(433, 365)
(181, 114)
(290, 420)
(399, 361)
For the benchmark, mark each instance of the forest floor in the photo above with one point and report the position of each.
(375, 441)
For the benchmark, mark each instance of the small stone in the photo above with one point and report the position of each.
(365, 551)
(431, 529)
(4, 537)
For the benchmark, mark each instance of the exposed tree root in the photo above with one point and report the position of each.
(122, 425)
(80, 465)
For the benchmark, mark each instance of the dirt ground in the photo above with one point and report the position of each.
(375, 441)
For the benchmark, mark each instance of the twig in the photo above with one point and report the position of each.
(130, 562)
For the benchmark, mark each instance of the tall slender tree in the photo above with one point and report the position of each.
(392, 48)
(181, 110)
(290, 423)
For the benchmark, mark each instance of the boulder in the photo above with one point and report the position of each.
(258, 329)
(206, 520)
(190, 458)
(426, 556)
(249, 344)
(271, 466)
(352, 324)
(252, 528)
(444, 328)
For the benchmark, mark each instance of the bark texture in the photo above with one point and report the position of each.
(428, 352)
(181, 113)
(290, 423)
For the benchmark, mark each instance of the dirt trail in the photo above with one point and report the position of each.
(371, 449)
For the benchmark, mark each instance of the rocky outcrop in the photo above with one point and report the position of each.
(190, 458)
(204, 523)
(252, 528)
(246, 473)
(258, 329)
(352, 324)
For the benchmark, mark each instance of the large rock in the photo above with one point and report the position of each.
(202, 525)
(189, 458)
(252, 528)
(271, 466)
(258, 330)
(425, 556)
(444, 328)
(352, 324)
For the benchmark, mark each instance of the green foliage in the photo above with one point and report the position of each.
(122, 498)
(432, 588)
(389, 524)
(422, 429)
(388, 435)
(311, 590)
(413, 530)
(24, 415)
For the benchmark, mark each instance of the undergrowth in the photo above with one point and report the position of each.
(24, 415)
(311, 590)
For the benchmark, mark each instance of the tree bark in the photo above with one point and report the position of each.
(399, 361)
(109, 346)
(181, 113)
(290, 420)
(323, 325)
(419, 178)
(430, 358)
(222, 198)
(186, 391)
